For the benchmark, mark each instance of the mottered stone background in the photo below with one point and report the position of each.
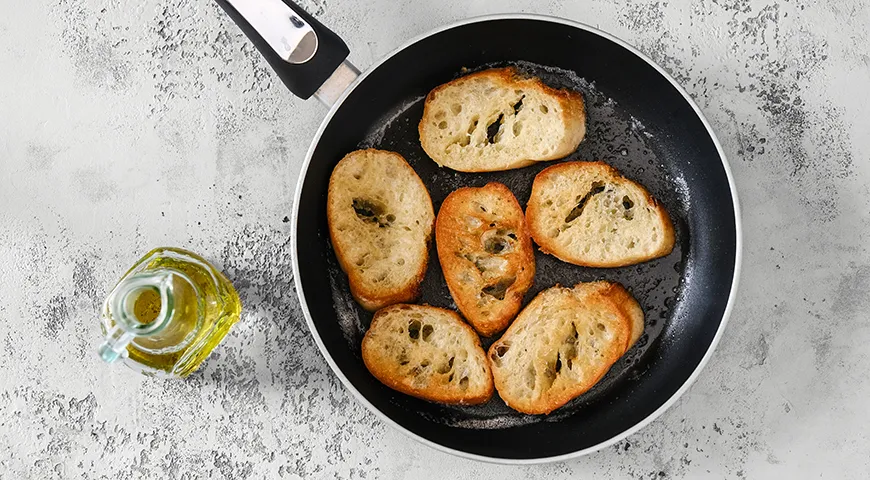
(127, 125)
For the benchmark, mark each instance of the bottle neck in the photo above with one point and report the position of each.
(141, 305)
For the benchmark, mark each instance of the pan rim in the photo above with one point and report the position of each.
(738, 257)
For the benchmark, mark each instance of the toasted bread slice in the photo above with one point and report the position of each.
(486, 254)
(562, 343)
(498, 120)
(429, 353)
(380, 223)
(587, 214)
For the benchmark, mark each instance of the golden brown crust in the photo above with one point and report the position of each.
(381, 370)
(573, 109)
(371, 297)
(548, 246)
(461, 231)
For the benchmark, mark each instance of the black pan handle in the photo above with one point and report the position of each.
(300, 49)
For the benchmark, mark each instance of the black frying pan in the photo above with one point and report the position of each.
(639, 120)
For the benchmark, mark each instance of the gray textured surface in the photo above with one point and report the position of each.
(126, 125)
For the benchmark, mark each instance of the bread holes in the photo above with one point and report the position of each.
(595, 189)
(558, 368)
(424, 364)
(496, 360)
(372, 211)
(499, 241)
(549, 376)
(426, 332)
(403, 358)
(447, 367)
(456, 108)
(463, 383)
(443, 124)
(517, 129)
(414, 329)
(367, 210)
(519, 105)
(400, 262)
(473, 127)
(495, 245)
(601, 327)
(627, 204)
(544, 109)
(499, 288)
(493, 129)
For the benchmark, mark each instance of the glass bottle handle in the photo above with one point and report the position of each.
(115, 345)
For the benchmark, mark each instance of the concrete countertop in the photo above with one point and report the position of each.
(128, 125)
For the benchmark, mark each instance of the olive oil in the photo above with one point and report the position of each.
(168, 313)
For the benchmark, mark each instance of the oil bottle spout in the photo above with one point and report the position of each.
(140, 305)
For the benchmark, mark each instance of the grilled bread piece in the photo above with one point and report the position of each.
(498, 120)
(380, 223)
(562, 343)
(429, 353)
(587, 214)
(486, 254)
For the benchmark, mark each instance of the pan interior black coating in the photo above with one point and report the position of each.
(638, 122)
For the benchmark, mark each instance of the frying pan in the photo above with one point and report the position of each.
(638, 120)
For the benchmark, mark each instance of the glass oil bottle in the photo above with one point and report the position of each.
(167, 313)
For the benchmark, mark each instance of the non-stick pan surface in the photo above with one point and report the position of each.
(638, 121)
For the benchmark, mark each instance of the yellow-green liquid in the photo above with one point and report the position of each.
(204, 310)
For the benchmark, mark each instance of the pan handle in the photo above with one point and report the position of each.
(303, 52)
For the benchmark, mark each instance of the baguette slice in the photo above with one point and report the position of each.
(497, 120)
(486, 254)
(429, 353)
(562, 343)
(587, 214)
(380, 223)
